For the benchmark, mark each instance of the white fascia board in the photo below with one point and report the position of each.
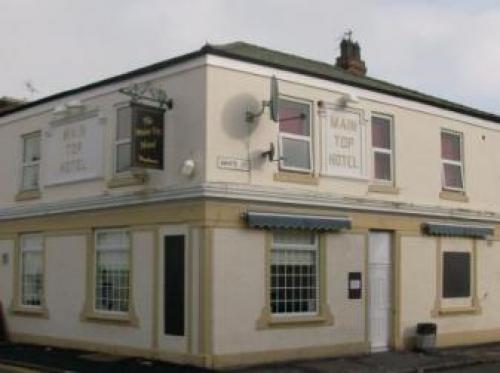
(340, 88)
(247, 193)
(93, 93)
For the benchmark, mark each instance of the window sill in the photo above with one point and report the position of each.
(453, 196)
(454, 311)
(27, 195)
(268, 321)
(41, 312)
(296, 177)
(127, 179)
(126, 319)
(383, 188)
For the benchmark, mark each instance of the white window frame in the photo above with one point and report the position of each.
(302, 247)
(118, 142)
(308, 139)
(25, 164)
(127, 252)
(40, 251)
(451, 162)
(383, 150)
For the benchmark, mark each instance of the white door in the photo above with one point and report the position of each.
(380, 289)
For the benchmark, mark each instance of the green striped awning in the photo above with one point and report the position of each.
(268, 220)
(457, 230)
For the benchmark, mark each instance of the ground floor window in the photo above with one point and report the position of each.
(31, 269)
(456, 274)
(112, 291)
(294, 272)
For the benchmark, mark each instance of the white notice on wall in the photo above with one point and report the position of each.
(343, 143)
(74, 151)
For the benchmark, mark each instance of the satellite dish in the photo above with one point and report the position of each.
(273, 104)
(274, 101)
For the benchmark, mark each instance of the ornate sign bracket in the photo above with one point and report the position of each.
(146, 92)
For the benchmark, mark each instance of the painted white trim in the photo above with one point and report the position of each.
(249, 193)
(340, 88)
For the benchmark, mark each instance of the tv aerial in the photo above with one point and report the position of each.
(272, 103)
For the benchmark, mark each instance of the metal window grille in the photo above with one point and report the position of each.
(30, 169)
(294, 273)
(31, 269)
(112, 271)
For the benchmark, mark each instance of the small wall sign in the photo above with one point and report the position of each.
(354, 285)
(147, 136)
(229, 163)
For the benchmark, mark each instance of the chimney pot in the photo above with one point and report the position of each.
(350, 57)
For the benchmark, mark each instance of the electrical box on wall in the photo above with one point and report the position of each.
(354, 285)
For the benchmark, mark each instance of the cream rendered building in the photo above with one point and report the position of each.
(378, 211)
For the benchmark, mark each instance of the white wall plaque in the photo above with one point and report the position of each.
(344, 143)
(74, 151)
(230, 163)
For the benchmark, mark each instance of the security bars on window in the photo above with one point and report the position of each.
(294, 273)
(112, 291)
(30, 169)
(31, 262)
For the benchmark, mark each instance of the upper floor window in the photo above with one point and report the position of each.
(30, 170)
(31, 269)
(382, 146)
(123, 143)
(295, 136)
(452, 160)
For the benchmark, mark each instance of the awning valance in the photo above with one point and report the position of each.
(268, 220)
(457, 230)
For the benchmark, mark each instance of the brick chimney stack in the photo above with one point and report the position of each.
(8, 103)
(350, 56)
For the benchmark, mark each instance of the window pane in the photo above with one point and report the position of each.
(30, 177)
(123, 157)
(31, 152)
(112, 271)
(452, 176)
(124, 123)
(293, 273)
(31, 277)
(294, 118)
(382, 163)
(450, 146)
(456, 275)
(294, 237)
(381, 133)
(296, 153)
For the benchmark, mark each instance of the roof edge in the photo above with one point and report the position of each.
(218, 51)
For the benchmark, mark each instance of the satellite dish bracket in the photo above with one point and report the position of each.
(270, 154)
(272, 103)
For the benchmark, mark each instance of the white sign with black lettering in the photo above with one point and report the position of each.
(230, 163)
(344, 137)
(74, 151)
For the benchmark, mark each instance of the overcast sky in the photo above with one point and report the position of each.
(448, 48)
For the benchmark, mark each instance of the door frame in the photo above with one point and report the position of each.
(394, 276)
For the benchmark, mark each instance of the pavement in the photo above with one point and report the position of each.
(23, 358)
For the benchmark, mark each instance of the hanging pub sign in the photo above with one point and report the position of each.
(147, 136)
